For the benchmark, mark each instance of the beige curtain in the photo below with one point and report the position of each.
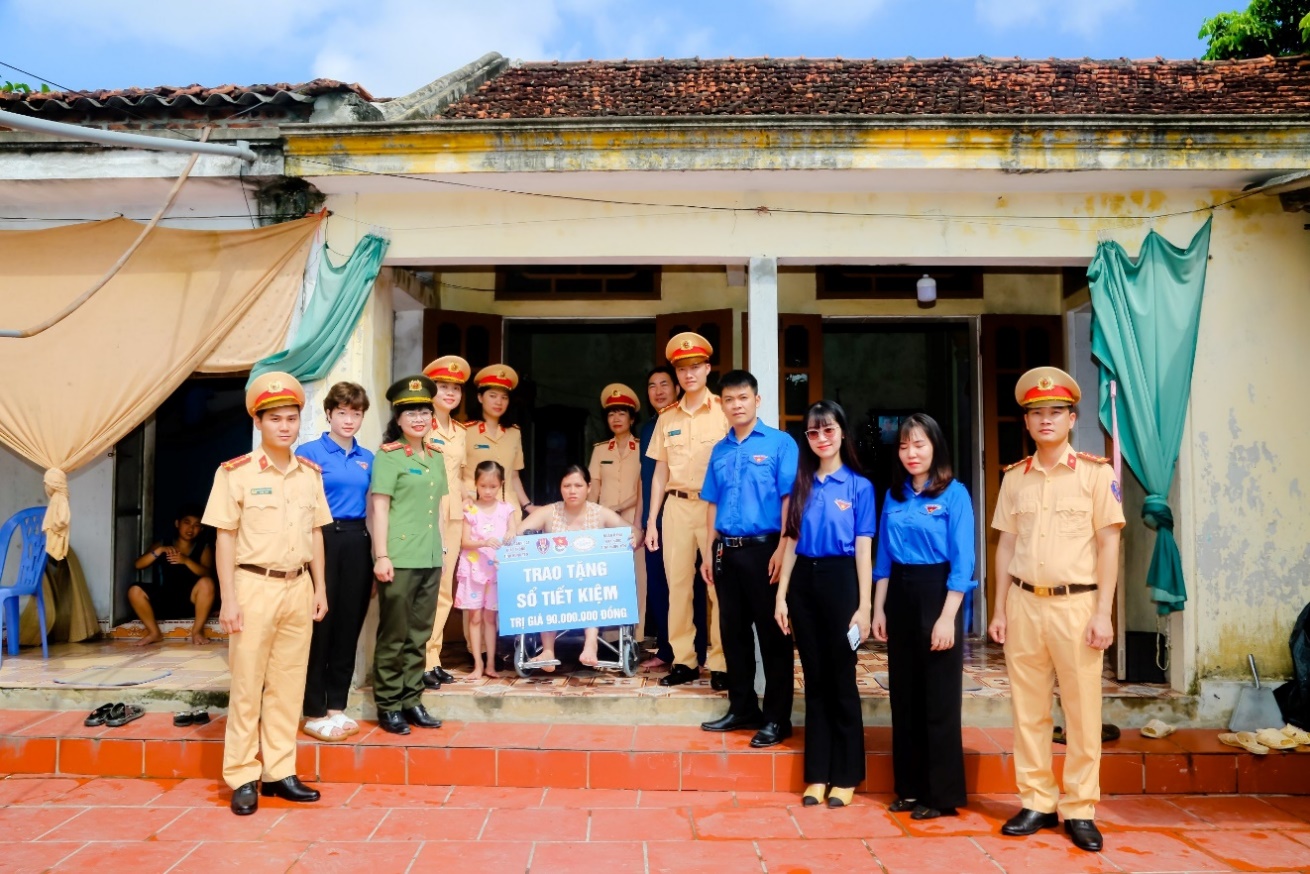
(187, 301)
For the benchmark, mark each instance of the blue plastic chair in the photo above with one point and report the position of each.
(31, 570)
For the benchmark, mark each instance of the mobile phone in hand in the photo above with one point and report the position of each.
(853, 635)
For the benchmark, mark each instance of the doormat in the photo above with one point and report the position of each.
(969, 683)
(110, 676)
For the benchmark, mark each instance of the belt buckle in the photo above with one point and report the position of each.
(1043, 591)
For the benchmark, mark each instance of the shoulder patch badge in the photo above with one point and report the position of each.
(391, 447)
(309, 464)
(1116, 491)
(1087, 456)
(234, 463)
(1010, 467)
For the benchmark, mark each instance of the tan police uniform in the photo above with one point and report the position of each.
(1054, 514)
(274, 513)
(450, 442)
(481, 444)
(616, 464)
(684, 438)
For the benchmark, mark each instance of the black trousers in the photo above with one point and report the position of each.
(746, 599)
(823, 596)
(927, 751)
(348, 569)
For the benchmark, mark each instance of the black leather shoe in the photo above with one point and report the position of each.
(1029, 822)
(418, 715)
(772, 734)
(245, 800)
(679, 674)
(289, 789)
(923, 811)
(1084, 834)
(392, 721)
(432, 679)
(901, 805)
(442, 674)
(732, 722)
(719, 681)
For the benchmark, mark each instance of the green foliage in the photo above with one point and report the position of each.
(22, 88)
(1266, 27)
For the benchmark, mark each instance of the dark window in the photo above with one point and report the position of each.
(895, 283)
(586, 282)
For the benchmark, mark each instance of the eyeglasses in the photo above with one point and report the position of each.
(416, 415)
(828, 431)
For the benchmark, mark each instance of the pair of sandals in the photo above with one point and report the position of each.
(114, 715)
(321, 727)
(1289, 737)
(191, 717)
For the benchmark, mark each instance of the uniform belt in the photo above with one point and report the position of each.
(686, 496)
(753, 540)
(269, 572)
(1046, 591)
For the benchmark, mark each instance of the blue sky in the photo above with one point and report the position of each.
(394, 46)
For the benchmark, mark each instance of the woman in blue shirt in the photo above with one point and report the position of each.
(824, 595)
(924, 568)
(348, 563)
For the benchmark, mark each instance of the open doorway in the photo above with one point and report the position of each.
(562, 367)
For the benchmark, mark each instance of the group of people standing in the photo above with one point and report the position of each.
(783, 537)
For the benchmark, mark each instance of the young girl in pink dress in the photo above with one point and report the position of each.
(488, 522)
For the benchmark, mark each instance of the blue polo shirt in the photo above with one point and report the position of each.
(747, 480)
(839, 509)
(923, 530)
(647, 467)
(346, 475)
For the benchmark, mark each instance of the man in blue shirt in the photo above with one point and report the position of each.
(747, 484)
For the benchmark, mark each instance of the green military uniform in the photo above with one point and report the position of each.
(415, 480)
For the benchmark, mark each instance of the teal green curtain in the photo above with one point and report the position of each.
(1145, 317)
(332, 314)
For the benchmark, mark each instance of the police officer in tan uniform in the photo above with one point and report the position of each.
(488, 440)
(269, 509)
(615, 463)
(448, 373)
(1059, 513)
(683, 440)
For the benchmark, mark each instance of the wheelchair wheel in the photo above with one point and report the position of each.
(628, 653)
(520, 655)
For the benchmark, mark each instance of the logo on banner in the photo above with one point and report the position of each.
(561, 544)
(543, 545)
(584, 544)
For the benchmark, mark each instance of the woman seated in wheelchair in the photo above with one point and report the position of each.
(573, 513)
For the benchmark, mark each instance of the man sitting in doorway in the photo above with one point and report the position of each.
(183, 577)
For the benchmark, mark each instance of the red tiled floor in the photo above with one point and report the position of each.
(119, 792)
(35, 857)
(139, 857)
(399, 796)
(861, 820)
(1252, 850)
(218, 824)
(114, 824)
(477, 857)
(444, 824)
(676, 738)
(333, 857)
(660, 798)
(912, 856)
(591, 798)
(29, 823)
(495, 796)
(654, 824)
(536, 824)
(1146, 812)
(969, 822)
(703, 857)
(500, 735)
(844, 855)
(1232, 811)
(1042, 853)
(749, 824)
(610, 857)
(310, 825)
(589, 737)
(255, 857)
(35, 790)
(1147, 851)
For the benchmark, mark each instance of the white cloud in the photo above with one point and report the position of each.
(1085, 19)
(827, 13)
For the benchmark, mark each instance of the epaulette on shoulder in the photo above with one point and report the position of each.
(513, 427)
(391, 447)
(468, 424)
(601, 443)
(1010, 467)
(236, 462)
(1087, 456)
(309, 464)
(666, 408)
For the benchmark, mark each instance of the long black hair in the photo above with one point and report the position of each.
(940, 474)
(823, 413)
(392, 432)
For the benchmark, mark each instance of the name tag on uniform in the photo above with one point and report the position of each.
(262, 491)
(482, 446)
(674, 433)
(439, 441)
(416, 470)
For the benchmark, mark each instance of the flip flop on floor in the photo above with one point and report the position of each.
(1243, 740)
(1301, 736)
(98, 716)
(322, 728)
(122, 714)
(1157, 729)
(345, 723)
(1275, 739)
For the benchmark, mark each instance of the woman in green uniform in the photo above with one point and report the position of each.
(409, 481)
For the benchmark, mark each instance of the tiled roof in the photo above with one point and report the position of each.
(980, 86)
(244, 104)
